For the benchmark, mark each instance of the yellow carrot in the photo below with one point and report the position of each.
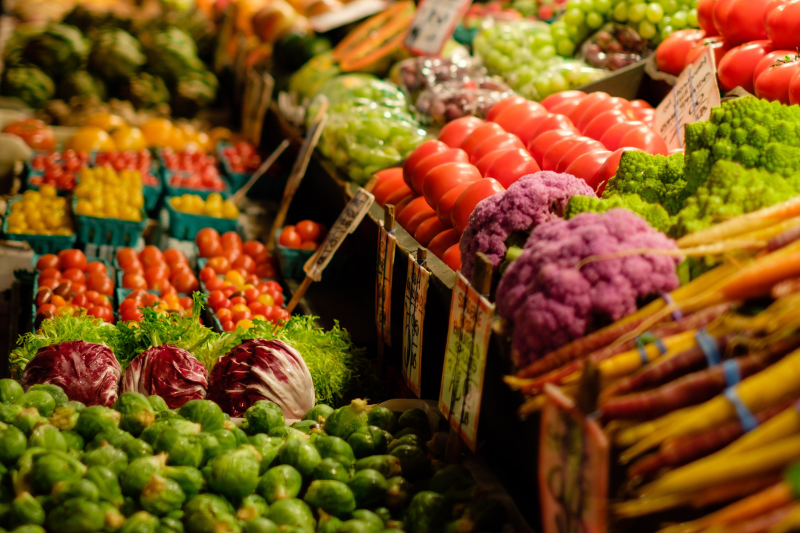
(781, 426)
(633, 434)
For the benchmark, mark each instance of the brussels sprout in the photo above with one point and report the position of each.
(241, 436)
(327, 523)
(76, 405)
(12, 445)
(284, 432)
(76, 516)
(370, 518)
(161, 496)
(204, 412)
(263, 416)
(141, 522)
(109, 456)
(412, 439)
(157, 403)
(150, 434)
(356, 526)
(114, 436)
(9, 412)
(330, 469)
(253, 506)
(280, 483)
(227, 440)
(48, 467)
(136, 448)
(369, 487)
(182, 450)
(235, 474)
(64, 417)
(96, 419)
(426, 513)
(10, 390)
(382, 417)
(318, 413)
(301, 455)
(170, 525)
(260, 525)
(75, 488)
(136, 412)
(417, 420)
(333, 497)
(55, 391)
(388, 465)
(211, 446)
(336, 449)
(345, 420)
(73, 440)
(27, 510)
(268, 447)
(292, 512)
(107, 484)
(129, 506)
(367, 440)
(30, 528)
(208, 513)
(138, 473)
(43, 401)
(190, 479)
(27, 419)
(306, 426)
(47, 436)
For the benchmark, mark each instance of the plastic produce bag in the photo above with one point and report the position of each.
(614, 46)
(450, 100)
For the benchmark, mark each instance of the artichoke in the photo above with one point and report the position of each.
(81, 83)
(145, 90)
(116, 54)
(193, 92)
(29, 84)
(58, 50)
(172, 54)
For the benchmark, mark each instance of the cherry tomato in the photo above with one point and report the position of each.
(740, 21)
(151, 256)
(309, 231)
(609, 169)
(224, 313)
(206, 273)
(387, 187)
(588, 165)
(215, 284)
(290, 238)
(429, 229)
(498, 108)
(705, 17)
(185, 302)
(511, 166)
(590, 100)
(772, 80)
(72, 259)
(242, 315)
(613, 135)
(180, 268)
(215, 298)
(127, 305)
(505, 141)
(439, 244)
(309, 245)
(416, 206)
(246, 262)
(719, 45)
(420, 152)
(100, 283)
(444, 177)
(96, 266)
(74, 275)
(452, 257)
(453, 155)
(576, 151)
(257, 309)
(454, 132)
(47, 261)
(738, 65)
(645, 139)
(471, 197)
(556, 151)
(266, 271)
(155, 273)
(479, 134)
(219, 264)
(227, 325)
(174, 257)
(231, 239)
(560, 97)
(512, 117)
(133, 281)
(254, 249)
(186, 283)
(50, 273)
(553, 122)
(671, 53)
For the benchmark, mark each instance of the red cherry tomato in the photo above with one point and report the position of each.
(72, 259)
(587, 166)
(133, 281)
(671, 53)
(254, 249)
(51, 273)
(387, 187)
(150, 256)
(472, 195)
(772, 83)
(444, 177)
(246, 262)
(561, 97)
(439, 244)
(206, 235)
(737, 66)
(609, 169)
(186, 283)
(705, 17)
(309, 230)
(453, 155)
(100, 283)
(219, 264)
(553, 122)
(556, 151)
(74, 275)
(429, 229)
(590, 100)
(612, 137)
(511, 166)
(645, 139)
(47, 261)
(173, 256)
(497, 108)
(96, 266)
(513, 116)
(231, 240)
(445, 207)
(480, 134)
(576, 151)
(452, 257)
(740, 21)
(215, 298)
(454, 133)
(416, 206)
(504, 141)
(539, 145)
(290, 238)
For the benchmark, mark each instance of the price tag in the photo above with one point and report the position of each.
(413, 318)
(465, 359)
(690, 101)
(434, 23)
(383, 283)
(348, 221)
(351, 12)
(573, 467)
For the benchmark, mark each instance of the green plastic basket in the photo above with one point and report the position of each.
(292, 260)
(184, 226)
(178, 191)
(109, 231)
(269, 187)
(41, 244)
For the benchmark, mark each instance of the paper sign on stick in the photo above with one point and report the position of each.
(416, 295)
(434, 23)
(384, 268)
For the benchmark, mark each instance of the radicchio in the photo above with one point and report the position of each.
(168, 371)
(88, 373)
(259, 369)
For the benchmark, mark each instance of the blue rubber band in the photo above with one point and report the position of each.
(676, 314)
(641, 346)
(746, 418)
(660, 345)
(731, 370)
(708, 344)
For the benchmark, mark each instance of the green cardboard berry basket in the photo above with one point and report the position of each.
(108, 231)
(184, 226)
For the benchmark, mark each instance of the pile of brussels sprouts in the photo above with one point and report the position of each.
(143, 468)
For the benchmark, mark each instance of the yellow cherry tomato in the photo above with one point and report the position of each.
(235, 278)
(266, 299)
(244, 324)
(260, 317)
(229, 210)
(239, 308)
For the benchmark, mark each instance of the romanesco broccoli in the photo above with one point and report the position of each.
(654, 214)
(656, 179)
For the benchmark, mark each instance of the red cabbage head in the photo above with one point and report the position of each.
(88, 373)
(260, 369)
(168, 371)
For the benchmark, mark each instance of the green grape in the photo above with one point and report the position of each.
(505, 64)
(493, 59)
(670, 6)
(634, 2)
(691, 18)
(542, 85)
(666, 21)
(602, 6)
(636, 12)
(559, 32)
(565, 47)
(666, 32)
(679, 20)
(647, 29)
(525, 75)
(654, 12)
(541, 39)
(594, 20)
(558, 83)
(573, 17)
(621, 12)
(546, 52)
(577, 33)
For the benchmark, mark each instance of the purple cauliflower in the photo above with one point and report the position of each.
(530, 201)
(550, 302)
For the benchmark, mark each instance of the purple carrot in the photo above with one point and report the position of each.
(784, 238)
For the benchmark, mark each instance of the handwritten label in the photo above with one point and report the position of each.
(351, 12)
(465, 359)
(433, 24)
(348, 221)
(384, 269)
(413, 318)
(691, 100)
(573, 468)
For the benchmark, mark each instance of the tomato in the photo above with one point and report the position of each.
(453, 155)
(719, 45)
(737, 66)
(421, 152)
(645, 139)
(74, 275)
(588, 165)
(309, 230)
(128, 304)
(454, 132)
(513, 116)
(671, 53)
(50, 273)
(385, 188)
(246, 262)
(740, 21)
(417, 205)
(133, 281)
(415, 221)
(557, 150)
(553, 122)
(96, 266)
(599, 108)
(591, 99)
(254, 249)
(251, 295)
(770, 59)
(72, 259)
(439, 244)
(772, 82)
(452, 257)
(539, 145)
(186, 283)
(242, 315)
(566, 107)
(498, 142)
(498, 108)
(179, 269)
(155, 273)
(36, 134)
(231, 239)
(309, 245)
(611, 138)
(290, 238)
(444, 177)
(151, 256)
(511, 166)
(219, 264)
(174, 256)
(609, 169)
(705, 17)
(480, 134)
(560, 97)
(445, 207)
(780, 22)
(471, 197)
(487, 160)
(266, 271)
(576, 151)
(100, 283)
(215, 298)
(127, 257)
(598, 126)
(47, 261)
(429, 229)
(224, 313)
(206, 235)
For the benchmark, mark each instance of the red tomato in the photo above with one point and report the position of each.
(100, 283)
(557, 150)
(576, 151)
(266, 271)
(180, 268)
(446, 203)
(155, 273)
(231, 239)
(444, 177)
(309, 230)
(590, 100)
(559, 98)
(399, 206)
(513, 116)
(645, 139)
(639, 104)
(429, 229)
(206, 235)
(215, 298)
(598, 126)
(780, 21)
(420, 152)
(454, 133)
(705, 17)
(718, 44)
(257, 308)
(309, 245)
(439, 244)
(565, 107)
(206, 273)
(96, 266)
(254, 249)
(382, 190)
(736, 68)
(648, 116)
(219, 264)
(794, 90)
(599, 108)
(527, 128)
(36, 134)
(101, 312)
(74, 275)
(151, 256)
(671, 53)
(290, 238)
(47, 261)
(238, 300)
(609, 169)
(740, 21)
(399, 195)
(72, 259)
(51, 273)
(224, 312)
(498, 108)
(186, 283)
(588, 165)
(251, 295)
(472, 196)
(128, 304)
(772, 83)
(245, 262)
(215, 284)
(505, 141)
(417, 205)
(173, 256)
(242, 315)
(133, 281)
(511, 166)
(770, 59)
(49, 282)
(185, 302)
(539, 145)
(418, 219)
(553, 122)
(487, 160)
(453, 155)
(210, 249)
(480, 134)
(611, 138)
(452, 257)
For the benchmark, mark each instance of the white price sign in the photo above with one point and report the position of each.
(384, 269)
(433, 24)
(691, 100)
(413, 318)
